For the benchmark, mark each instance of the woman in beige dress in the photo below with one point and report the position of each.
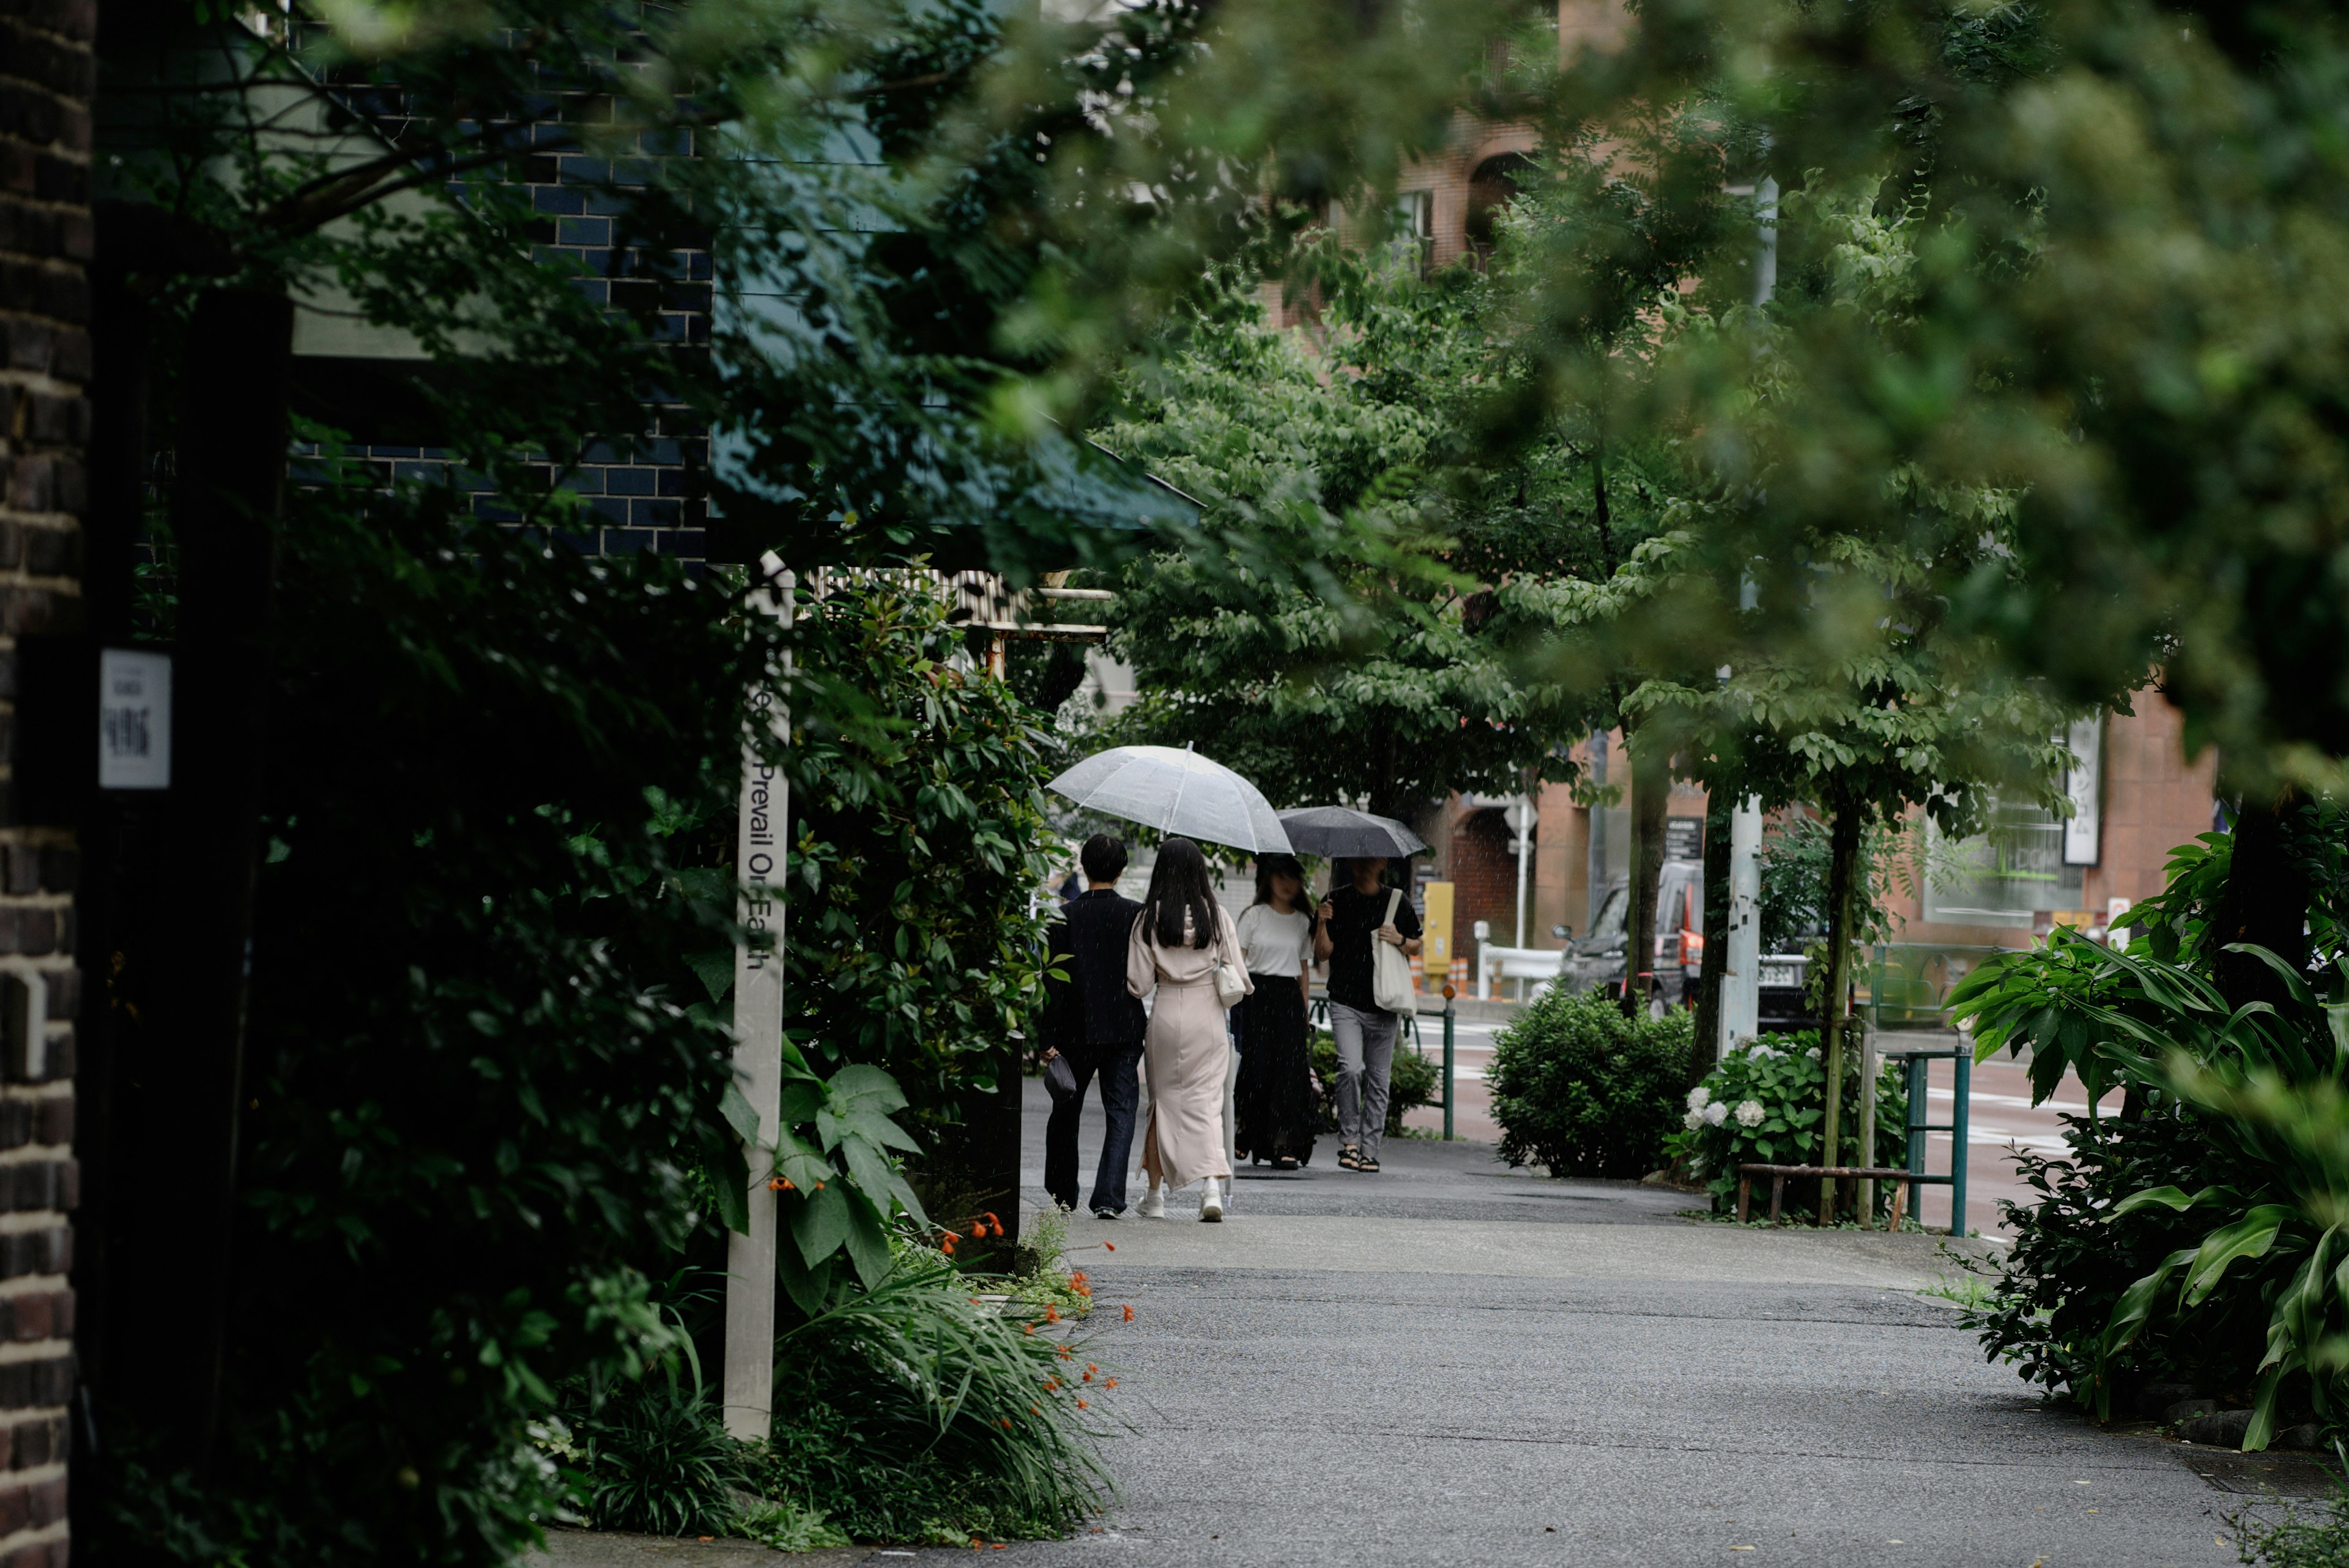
(1180, 936)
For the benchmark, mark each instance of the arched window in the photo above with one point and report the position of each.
(1495, 183)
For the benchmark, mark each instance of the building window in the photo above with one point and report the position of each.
(1415, 227)
(2006, 875)
(1495, 183)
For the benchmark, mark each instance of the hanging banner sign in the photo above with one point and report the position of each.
(2084, 784)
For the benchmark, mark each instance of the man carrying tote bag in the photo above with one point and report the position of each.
(1364, 932)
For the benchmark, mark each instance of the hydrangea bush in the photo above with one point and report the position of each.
(1764, 1104)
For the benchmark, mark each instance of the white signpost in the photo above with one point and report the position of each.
(1740, 975)
(750, 1378)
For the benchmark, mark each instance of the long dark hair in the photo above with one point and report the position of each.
(1179, 885)
(1268, 866)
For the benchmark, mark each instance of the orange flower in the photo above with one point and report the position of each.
(819, 1187)
(1111, 1384)
(1007, 1422)
(1089, 1377)
(1051, 1312)
(1111, 1245)
(993, 1221)
(1076, 1277)
(947, 1246)
(1032, 1410)
(975, 1543)
(1090, 1368)
(1129, 1311)
(1082, 1405)
(1028, 1328)
(1052, 1386)
(978, 1232)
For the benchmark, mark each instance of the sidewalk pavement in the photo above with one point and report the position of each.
(1452, 1362)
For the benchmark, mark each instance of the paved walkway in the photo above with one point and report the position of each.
(1451, 1363)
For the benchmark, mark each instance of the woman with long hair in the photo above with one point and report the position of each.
(1276, 1106)
(1179, 939)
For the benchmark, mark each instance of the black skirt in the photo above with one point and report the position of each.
(1274, 1099)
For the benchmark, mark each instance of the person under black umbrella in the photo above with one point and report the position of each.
(1276, 1114)
(1351, 919)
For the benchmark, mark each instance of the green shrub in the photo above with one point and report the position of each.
(2076, 1252)
(1583, 1090)
(1764, 1104)
(655, 1457)
(914, 1413)
(2296, 1541)
(1414, 1081)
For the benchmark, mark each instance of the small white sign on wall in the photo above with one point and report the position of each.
(134, 719)
(2084, 783)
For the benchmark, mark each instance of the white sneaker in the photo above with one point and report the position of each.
(1211, 1201)
(1153, 1205)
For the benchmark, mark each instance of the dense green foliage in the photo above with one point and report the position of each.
(1335, 663)
(1584, 1091)
(479, 1100)
(2125, 214)
(1767, 1104)
(916, 844)
(2075, 1257)
(916, 1413)
(912, 1412)
(2218, 1192)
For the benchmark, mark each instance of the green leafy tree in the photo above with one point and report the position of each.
(1329, 662)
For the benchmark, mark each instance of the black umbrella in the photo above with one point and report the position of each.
(1334, 830)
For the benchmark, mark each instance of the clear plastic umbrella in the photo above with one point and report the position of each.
(1177, 792)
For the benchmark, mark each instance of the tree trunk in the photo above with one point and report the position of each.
(2265, 904)
(1843, 868)
(1651, 787)
(1704, 1047)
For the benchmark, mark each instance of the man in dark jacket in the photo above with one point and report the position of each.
(1091, 1019)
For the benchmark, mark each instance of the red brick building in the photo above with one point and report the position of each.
(46, 79)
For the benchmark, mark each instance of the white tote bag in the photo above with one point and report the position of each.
(1231, 981)
(1390, 970)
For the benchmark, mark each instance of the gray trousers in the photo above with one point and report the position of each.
(1366, 1043)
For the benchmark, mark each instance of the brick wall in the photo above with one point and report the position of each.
(650, 495)
(46, 82)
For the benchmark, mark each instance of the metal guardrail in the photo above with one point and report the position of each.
(1908, 983)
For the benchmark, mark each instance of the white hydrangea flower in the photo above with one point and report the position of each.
(1813, 1053)
(1698, 1096)
(1749, 1113)
(1694, 1120)
(1717, 1113)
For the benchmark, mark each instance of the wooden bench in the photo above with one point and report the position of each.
(1778, 1174)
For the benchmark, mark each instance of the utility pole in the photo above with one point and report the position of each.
(1741, 979)
(760, 835)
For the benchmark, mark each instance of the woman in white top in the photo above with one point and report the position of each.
(1277, 1114)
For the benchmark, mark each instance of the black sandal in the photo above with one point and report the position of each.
(1368, 1164)
(1286, 1162)
(1350, 1157)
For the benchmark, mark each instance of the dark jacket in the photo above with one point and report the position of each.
(1092, 1007)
